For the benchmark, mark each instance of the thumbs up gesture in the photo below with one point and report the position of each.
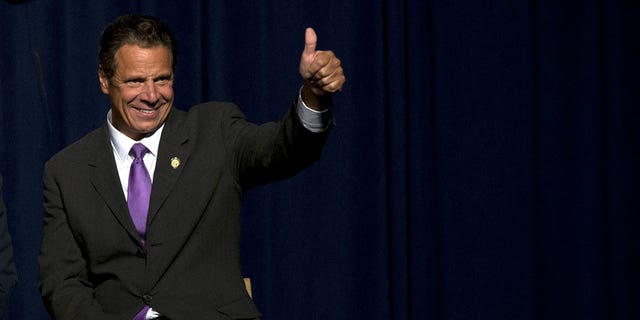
(321, 72)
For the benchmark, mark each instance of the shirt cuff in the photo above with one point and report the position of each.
(313, 120)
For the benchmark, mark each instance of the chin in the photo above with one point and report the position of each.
(150, 130)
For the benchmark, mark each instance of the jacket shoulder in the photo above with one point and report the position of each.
(214, 109)
(81, 148)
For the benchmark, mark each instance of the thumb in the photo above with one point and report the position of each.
(310, 41)
(309, 53)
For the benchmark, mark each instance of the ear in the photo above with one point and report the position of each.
(104, 82)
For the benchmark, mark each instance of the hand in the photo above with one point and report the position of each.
(320, 70)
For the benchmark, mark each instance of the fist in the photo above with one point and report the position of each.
(320, 70)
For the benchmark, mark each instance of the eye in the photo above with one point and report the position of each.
(135, 83)
(163, 81)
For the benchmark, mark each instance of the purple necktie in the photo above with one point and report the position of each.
(138, 196)
(139, 189)
(142, 314)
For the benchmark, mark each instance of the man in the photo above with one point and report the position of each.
(99, 258)
(8, 275)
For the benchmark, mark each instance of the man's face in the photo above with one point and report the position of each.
(141, 89)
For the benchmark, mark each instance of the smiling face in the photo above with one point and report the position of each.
(141, 89)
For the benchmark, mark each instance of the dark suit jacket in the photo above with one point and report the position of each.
(8, 275)
(92, 265)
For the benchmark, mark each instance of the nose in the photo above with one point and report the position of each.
(149, 93)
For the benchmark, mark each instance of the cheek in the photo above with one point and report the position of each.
(125, 97)
(166, 92)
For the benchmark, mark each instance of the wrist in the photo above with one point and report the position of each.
(314, 100)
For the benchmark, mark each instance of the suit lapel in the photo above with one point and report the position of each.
(104, 178)
(173, 153)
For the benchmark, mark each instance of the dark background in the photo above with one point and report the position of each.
(483, 165)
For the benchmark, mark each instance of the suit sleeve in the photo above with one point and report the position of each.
(63, 281)
(272, 151)
(8, 275)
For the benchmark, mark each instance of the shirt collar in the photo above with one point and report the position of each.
(122, 144)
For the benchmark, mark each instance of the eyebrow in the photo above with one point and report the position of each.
(143, 79)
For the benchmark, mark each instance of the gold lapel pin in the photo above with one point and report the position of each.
(175, 162)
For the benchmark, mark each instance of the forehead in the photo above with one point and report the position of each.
(133, 59)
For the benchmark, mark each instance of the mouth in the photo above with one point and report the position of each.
(146, 110)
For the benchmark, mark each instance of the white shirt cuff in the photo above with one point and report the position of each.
(314, 121)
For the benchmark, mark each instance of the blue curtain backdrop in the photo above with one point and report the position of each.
(483, 165)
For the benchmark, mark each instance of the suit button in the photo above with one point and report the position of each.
(147, 298)
(140, 253)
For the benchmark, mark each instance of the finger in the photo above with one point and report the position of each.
(323, 64)
(330, 88)
(326, 66)
(334, 87)
(332, 82)
(326, 75)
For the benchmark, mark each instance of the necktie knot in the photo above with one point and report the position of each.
(138, 150)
